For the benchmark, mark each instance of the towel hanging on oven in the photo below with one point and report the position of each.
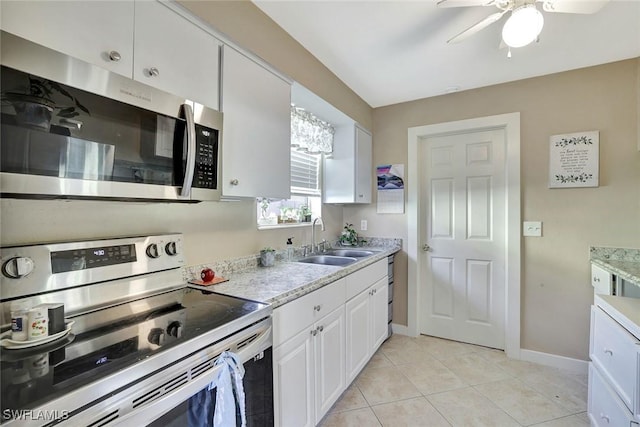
(230, 391)
(229, 406)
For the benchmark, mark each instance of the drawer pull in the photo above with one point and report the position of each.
(320, 328)
(314, 332)
(608, 351)
(316, 308)
(604, 417)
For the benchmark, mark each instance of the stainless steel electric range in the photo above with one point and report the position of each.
(141, 344)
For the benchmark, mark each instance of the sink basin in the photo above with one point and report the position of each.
(356, 253)
(328, 260)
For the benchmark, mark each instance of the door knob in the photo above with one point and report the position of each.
(426, 247)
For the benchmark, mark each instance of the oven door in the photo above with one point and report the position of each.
(166, 396)
(198, 410)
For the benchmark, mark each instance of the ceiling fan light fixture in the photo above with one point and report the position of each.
(523, 26)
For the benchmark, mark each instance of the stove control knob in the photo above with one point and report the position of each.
(171, 248)
(152, 251)
(175, 329)
(156, 336)
(18, 267)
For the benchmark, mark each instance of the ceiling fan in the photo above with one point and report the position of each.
(525, 22)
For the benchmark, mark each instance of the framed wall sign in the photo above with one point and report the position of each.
(574, 160)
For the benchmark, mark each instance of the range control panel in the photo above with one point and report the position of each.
(33, 269)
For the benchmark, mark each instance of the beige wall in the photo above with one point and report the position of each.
(556, 291)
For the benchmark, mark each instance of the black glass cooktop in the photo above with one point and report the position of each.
(31, 377)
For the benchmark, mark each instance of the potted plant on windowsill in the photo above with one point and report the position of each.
(305, 213)
(267, 257)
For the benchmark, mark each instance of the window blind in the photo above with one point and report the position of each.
(305, 173)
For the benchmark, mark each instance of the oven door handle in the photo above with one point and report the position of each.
(189, 170)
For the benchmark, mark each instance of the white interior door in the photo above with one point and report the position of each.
(462, 209)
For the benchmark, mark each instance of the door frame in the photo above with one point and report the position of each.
(511, 124)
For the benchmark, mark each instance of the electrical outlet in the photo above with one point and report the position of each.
(363, 225)
(532, 228)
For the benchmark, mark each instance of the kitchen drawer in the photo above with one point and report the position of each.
(292, 317)
(605, 408)
(616, 354)
(360, 280)
(601, 280)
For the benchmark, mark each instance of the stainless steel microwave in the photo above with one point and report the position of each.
(70, 129)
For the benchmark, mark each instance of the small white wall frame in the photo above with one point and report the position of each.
(574, 160)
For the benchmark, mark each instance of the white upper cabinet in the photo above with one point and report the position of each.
(174, 55)
(98, 32)
(257, 129)
(348, 172)
(159, 47)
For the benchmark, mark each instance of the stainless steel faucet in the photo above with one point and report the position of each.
(313, 233)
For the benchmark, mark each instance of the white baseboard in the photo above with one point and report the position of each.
(573, 365)
(400, 329)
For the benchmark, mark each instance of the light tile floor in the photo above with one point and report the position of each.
(427, 381)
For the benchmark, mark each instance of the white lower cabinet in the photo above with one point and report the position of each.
(329, 351)
(614, 371)
(293, 381)
(309, 373)
(366, 321)
(320, 343)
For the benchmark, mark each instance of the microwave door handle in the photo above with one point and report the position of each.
(191, 152)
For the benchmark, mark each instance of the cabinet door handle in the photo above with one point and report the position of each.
(608, 351)
(114, 56)
(604, 417)
(317, 307)
(320, 328)
(314, 332)
(596, 279)
(234, 182)
(153, 72)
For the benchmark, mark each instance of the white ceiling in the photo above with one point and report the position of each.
(395, 51)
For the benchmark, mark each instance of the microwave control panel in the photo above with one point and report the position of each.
(206, 174)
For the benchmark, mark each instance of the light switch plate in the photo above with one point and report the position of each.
(363, 225)
(532, 228)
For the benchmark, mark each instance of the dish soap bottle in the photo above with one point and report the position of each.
(289, 249)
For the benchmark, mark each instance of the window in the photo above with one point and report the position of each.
(305, 202)
(310, 137)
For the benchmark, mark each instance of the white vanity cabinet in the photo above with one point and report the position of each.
(98, 32)
(309, 356)
(348, 171)
(144, 40)
(601, 280)
(614, 371)
(257, 129)
(366, 315)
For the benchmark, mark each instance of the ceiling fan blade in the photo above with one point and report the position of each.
(477, 27)
(464, 3)
(573, 6)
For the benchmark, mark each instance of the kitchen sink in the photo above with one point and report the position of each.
(356, 253)
(328, 260)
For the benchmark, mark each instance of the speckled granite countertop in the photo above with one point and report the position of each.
(285, 281)
(620, 261)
